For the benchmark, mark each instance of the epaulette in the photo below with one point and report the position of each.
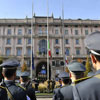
(2, 87)
(20, 86)
(81, 79)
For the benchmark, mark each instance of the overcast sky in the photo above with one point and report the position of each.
(73, 9)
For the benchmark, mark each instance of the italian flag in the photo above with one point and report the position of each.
(49, 51)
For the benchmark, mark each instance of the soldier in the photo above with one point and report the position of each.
(89, 88)
(76, 72)
(65, 80)
(26, 83)
(3, 93)
(9, 72)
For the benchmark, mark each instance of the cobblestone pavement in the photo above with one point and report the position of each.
(44, 98)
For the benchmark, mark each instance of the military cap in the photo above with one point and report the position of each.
(11, 63)
(25, 74)
(76, 66)
(92, 42)
(63, 75)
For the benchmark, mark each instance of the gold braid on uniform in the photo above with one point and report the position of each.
(2, 87)
(21, 87)
(81, 79)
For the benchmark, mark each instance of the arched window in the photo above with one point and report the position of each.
(43, 47)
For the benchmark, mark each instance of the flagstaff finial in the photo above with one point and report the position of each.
(34, 15)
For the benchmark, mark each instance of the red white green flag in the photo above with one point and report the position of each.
(49, 51)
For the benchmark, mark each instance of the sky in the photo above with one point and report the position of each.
(73, 9)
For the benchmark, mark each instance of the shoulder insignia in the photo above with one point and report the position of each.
(20, 86)
(81, 79)
(2, 87)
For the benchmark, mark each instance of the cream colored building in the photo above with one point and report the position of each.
(15, 40)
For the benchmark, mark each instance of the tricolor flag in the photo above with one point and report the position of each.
(66, 60)
(49, 51)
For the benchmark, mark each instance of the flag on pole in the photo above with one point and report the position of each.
(49, 51)
(32, 61)
(66, 60)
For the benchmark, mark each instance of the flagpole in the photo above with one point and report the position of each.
(31, 41)
(47, 42)
(63, 34)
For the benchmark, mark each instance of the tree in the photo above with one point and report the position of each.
(24, 67)
(87, 66)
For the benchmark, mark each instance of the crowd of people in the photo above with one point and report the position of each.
(9, 89)
(70, 85)
(83, 88)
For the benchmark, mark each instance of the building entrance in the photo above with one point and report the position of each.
(41, 71)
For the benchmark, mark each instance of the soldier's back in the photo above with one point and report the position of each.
(89, 89)
(3, 93)
(16, 91)
(30, 91)
(66, 93)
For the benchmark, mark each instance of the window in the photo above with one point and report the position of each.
(77, 41)
(86, 32)
(29, 41)
(19, 51)
(57, 51)
(96, 30)
(8, 41)
(77, 51)
(76, 32)
(45, 31)
(28, 51)
(8, 51)
(66, 41)
(56, 41)
(9, 32)
(19, 31)
(57, 63)
(56, 31)
(43, 47)
(29, 31)
(40, 30)
(19, 41)
(66, 32)
(67, 51)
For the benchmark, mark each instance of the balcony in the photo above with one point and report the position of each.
(42, 34)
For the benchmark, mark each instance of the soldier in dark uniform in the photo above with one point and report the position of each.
(26, 83)
(89, 88)
(9, 72)
(3, 93)
(76, 72)
(65, 81)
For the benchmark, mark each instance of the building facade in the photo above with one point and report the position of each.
(66, 37)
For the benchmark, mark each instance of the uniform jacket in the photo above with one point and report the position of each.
(90, 88)
(17, 92)
(3, 94)
(64, 93)
(30, 91)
